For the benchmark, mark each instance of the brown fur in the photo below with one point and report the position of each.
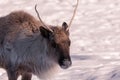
(15, 22)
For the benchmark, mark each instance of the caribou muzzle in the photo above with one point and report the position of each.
(65, 63)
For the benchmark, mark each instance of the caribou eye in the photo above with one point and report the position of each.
(54, 44)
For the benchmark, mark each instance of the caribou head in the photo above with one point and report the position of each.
(59, 40)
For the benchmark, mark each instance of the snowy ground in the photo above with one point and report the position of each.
(95, 35)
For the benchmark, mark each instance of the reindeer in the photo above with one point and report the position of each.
(29, 46)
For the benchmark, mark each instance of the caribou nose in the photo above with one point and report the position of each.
(66, 64)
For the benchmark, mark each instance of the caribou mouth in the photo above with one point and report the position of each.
(65, 64)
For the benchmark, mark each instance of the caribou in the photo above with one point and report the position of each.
(29, 46)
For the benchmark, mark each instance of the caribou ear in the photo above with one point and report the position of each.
(45, 32)
(65, 27)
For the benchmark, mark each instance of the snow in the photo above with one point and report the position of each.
(95, 35)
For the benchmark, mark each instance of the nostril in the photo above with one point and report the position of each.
(67, 62)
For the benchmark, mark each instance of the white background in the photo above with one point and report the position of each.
(95, 34)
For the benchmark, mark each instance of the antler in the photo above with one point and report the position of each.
(45, 26)
(73, 15)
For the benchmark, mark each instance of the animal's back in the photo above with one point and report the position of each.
(15, 23)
